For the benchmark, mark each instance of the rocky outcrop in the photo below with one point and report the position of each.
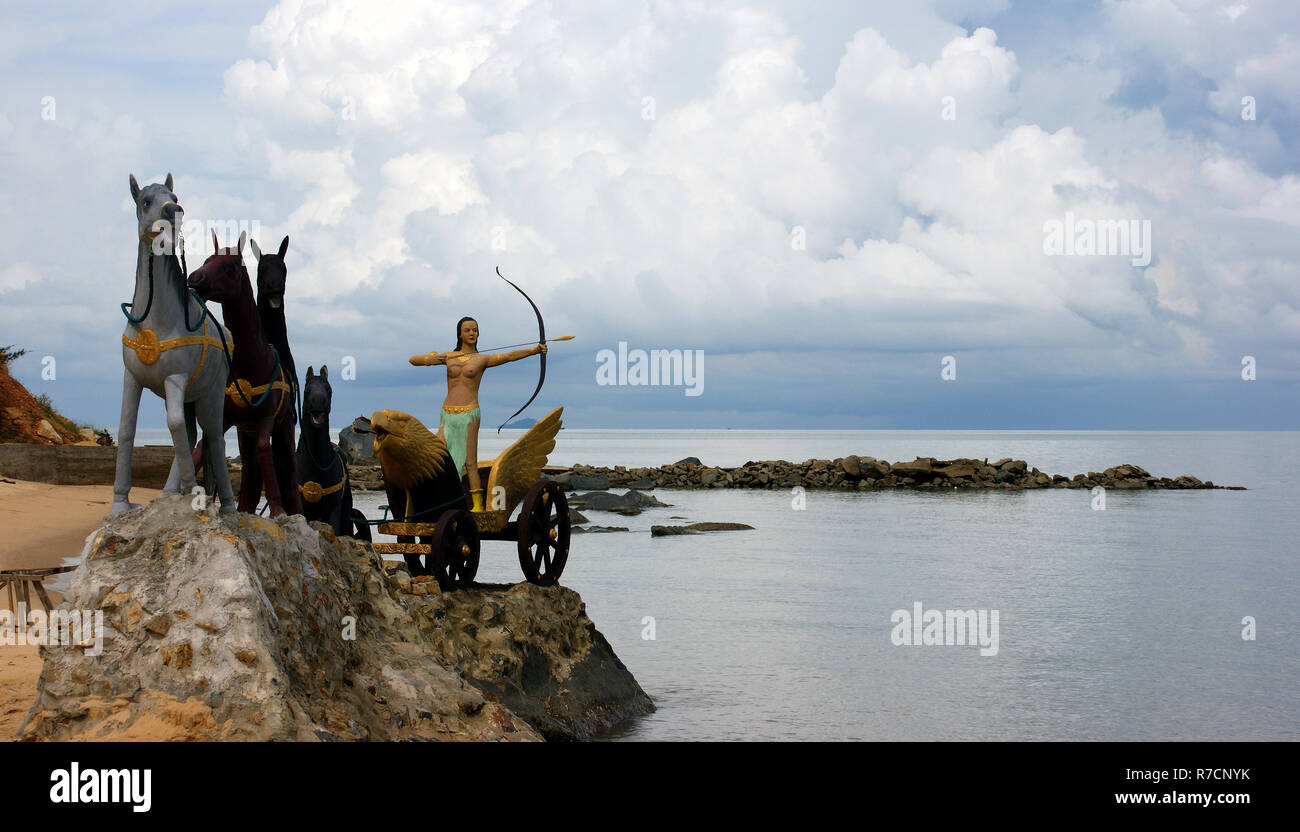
(26, 419)
(629, 504)
(242, 628)
(697, 528)
(357, 441)
(864, 473)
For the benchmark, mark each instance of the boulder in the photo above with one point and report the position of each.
(357, 440)
(920, 469)
(47, 432)
(958, 471)
(243, 628)
(872, 468)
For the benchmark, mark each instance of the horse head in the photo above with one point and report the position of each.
(222, 277)
(271, 274)
(157, 213)
(317, 396)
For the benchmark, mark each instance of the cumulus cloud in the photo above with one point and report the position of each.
(731, 177)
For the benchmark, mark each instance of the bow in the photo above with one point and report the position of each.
(541, 339)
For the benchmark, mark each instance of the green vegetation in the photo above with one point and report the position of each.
(8, 354)
(47, 405)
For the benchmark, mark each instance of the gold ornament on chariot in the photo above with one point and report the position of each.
(464, 549)
(311, 492)
(147, 348)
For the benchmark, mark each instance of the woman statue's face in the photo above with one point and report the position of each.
(469, 333)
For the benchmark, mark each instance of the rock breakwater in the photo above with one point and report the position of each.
(865, 473)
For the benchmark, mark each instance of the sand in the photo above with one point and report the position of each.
(42, 525)
(19, 669)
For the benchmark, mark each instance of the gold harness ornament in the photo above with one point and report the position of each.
(312, 492)
(148, 349)
(460, 408)
(249, 392)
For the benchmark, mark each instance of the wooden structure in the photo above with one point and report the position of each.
(19, 579)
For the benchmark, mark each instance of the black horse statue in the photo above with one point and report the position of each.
(271, 279)
(322, 470)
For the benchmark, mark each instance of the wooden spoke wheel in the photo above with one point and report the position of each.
(454, 555)
(544, 533)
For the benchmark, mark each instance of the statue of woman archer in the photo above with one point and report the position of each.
(460, 413)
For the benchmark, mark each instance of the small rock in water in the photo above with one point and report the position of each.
(697, 528)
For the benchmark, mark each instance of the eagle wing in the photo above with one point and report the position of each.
(517, 467)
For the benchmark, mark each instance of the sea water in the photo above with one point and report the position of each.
(1165, 615)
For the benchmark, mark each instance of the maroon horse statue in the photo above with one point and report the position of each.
(259, 396)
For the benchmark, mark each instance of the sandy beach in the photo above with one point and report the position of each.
(43, 524)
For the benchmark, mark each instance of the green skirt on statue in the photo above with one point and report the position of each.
(455, 430)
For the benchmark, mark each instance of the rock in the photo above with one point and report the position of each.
(642, 484)
(872, 468)
(598, 501)
(88, 435)
(540, 659)
(596, 529)
(958, 471)
(46, 431)
(710, 475)
(357, 441)
(313, 641)
(577, 517)
(636, 498)
(629, 504)
(923, 473)
(920, 468)
(696, 528)
(588, 483)
(159, 624)
(690, 460)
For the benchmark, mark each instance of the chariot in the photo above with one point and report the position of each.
(450, 541)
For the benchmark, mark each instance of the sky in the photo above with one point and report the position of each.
(850, 215)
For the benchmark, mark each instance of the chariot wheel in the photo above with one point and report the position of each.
(453, 556)
(544, 533)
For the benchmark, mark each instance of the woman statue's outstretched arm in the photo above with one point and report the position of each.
(429, 359)
(498, 358)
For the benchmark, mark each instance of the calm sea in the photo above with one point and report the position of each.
(1115, 624)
